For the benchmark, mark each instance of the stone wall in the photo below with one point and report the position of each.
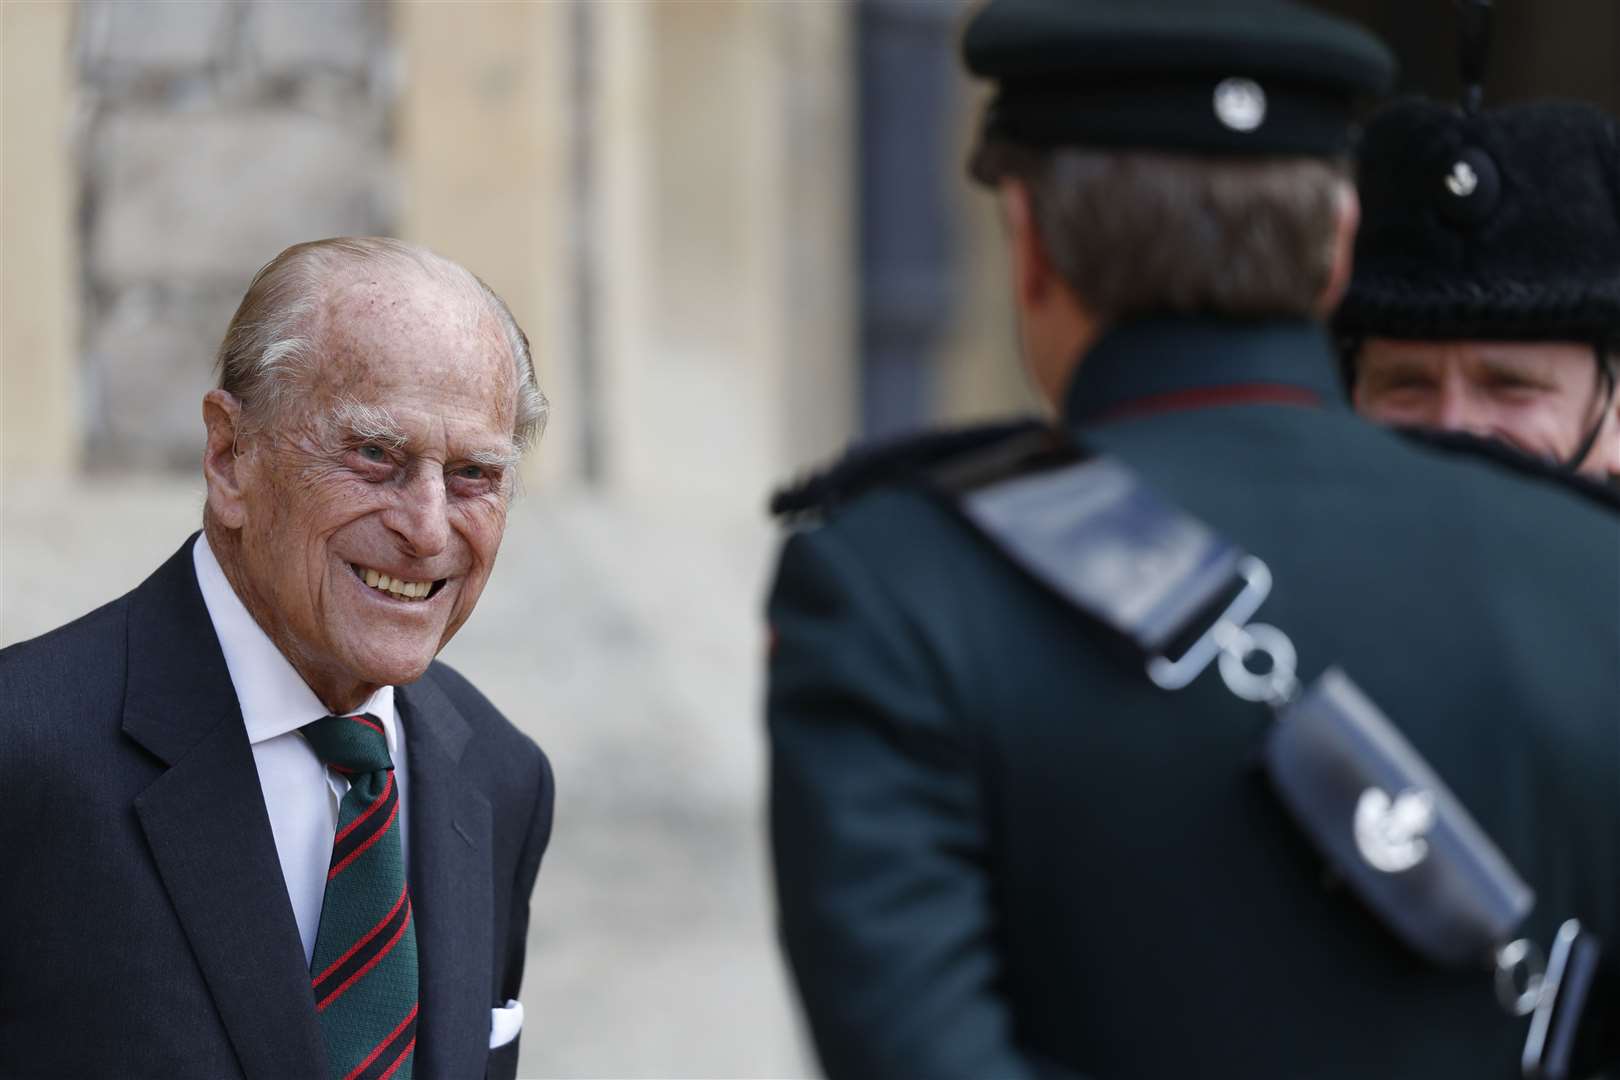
(211, 134)
(661, 191)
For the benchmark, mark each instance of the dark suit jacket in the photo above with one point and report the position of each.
(1002, 852)
(145, 929)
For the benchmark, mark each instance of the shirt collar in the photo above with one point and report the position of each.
(274, 698)
(1175, 358)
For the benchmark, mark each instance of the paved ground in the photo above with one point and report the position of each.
(626, 640)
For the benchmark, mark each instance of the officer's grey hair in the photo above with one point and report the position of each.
(1139, 232)
(274, 336)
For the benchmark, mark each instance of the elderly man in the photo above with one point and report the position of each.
(1045, 803)
(251, 827)
(1486, 296)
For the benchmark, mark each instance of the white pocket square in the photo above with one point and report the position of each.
(505, 1023)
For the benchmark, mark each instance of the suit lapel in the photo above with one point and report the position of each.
(451, 891)
(209, 833)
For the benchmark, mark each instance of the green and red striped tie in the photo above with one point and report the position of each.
(364, 970)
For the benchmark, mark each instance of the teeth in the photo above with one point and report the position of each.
(409, 590)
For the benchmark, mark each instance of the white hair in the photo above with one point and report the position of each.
(372, 423)
(273, 337)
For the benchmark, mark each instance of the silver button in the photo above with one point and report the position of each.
(1240, 104)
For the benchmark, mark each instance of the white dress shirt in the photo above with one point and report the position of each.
(301, 795)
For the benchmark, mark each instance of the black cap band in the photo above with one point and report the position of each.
(1199, 114)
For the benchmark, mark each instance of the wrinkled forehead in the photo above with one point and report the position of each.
(396, 330)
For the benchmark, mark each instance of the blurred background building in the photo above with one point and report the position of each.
(738, 236)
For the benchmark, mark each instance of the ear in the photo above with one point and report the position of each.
(1347, 218)
(1032, 270)
(222, 417)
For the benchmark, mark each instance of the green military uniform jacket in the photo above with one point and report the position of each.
(1001, 851)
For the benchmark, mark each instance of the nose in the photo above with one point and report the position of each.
(1455, 408)
(420, 514)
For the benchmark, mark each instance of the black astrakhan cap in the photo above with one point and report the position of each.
(1502, 224)
(1252, 77)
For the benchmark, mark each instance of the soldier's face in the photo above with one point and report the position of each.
(1542, 397)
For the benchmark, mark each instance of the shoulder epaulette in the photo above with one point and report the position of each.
(1515, 460)
(891, 461)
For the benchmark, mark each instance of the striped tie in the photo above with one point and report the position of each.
(364, 970)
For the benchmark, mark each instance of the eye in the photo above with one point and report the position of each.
(471, 472)
(373, 453)
(1513, 384)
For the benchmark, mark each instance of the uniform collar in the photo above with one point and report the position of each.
(274, 698)
(1175, 363)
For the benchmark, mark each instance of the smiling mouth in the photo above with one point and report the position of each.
(398, 588)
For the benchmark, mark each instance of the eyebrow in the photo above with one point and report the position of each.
(1517, 366)
(1395, 368)
(370, 422)
(496, 459)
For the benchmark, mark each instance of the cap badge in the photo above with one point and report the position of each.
(1240, 104)
(1462, 180)
(1469, 189)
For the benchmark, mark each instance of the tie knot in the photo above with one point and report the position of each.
(353, 744)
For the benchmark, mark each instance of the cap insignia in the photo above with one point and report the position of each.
(1468, 191)
(1240, 104)
(1462, 180)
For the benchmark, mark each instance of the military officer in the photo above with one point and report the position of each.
(1486, 295)
(1000, 848)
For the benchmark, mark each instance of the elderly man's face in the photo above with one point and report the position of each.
(1542, 397)
(373, 506)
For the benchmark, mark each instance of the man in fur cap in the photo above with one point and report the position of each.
(1486, 296)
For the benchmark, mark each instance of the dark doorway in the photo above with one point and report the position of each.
(908, 78)
(1540, 48)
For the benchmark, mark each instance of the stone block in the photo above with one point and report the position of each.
(150, 360)
(348, 35)
(167, 35)
(184, 198)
